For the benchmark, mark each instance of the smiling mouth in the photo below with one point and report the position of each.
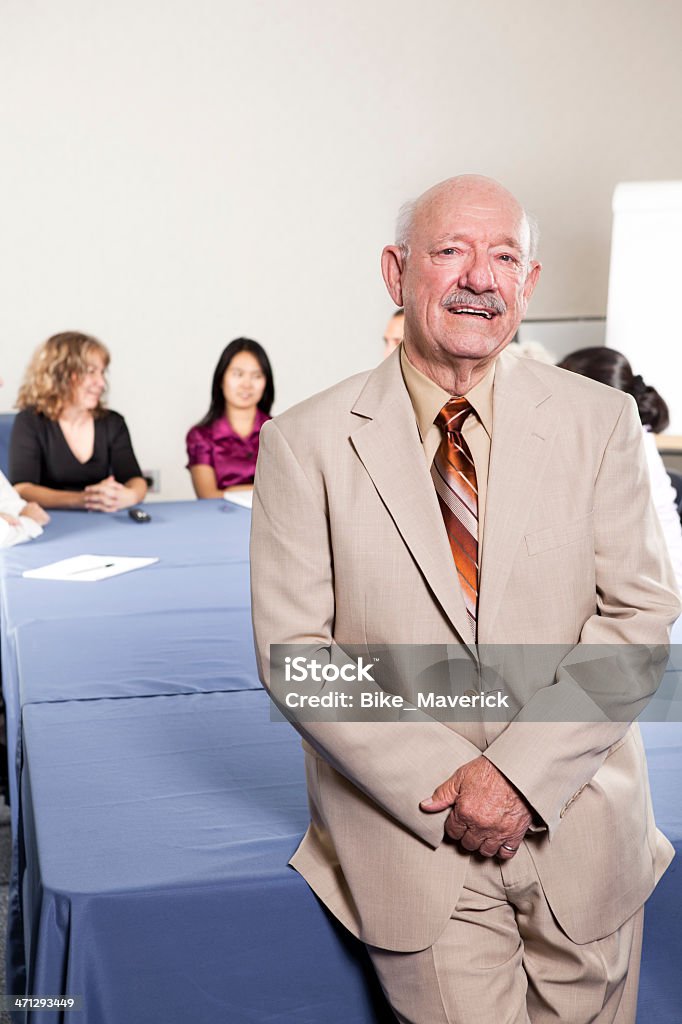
(471, 311)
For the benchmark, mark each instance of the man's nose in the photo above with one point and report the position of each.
(477, 274)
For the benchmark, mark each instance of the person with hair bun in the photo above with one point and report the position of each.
(608, 366)
(67, 450)
(223, 447)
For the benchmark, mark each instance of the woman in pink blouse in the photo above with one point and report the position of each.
(223, 447)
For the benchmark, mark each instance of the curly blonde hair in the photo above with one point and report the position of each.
(55, 368)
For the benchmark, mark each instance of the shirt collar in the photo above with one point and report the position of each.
(222, 428)
(428, 398)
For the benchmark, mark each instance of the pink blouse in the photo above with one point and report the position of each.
(233, 457)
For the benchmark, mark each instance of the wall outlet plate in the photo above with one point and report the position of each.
(153, 478)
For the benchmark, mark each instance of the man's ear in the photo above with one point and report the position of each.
(392, 267)
(531, 280)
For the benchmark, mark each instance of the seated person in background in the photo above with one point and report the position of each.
(223, 447)
(66, 449)
(393, 334)
(532, 350)
(19, 520)
(611, 367)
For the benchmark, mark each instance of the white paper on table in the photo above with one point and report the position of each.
(243, 498)
(87, 568)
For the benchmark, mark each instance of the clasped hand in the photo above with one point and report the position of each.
(108, 496)
(487, 813)
(31, 510)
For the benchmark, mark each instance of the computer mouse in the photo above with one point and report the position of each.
(138, 516)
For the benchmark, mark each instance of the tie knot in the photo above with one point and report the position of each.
(453, 414)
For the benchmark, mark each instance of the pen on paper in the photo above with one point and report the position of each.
(93, 568)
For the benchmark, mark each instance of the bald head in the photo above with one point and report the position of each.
(473, 189)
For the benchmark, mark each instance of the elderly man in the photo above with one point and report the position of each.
(459, 496)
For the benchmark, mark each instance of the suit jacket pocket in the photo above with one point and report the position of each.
(559, 536)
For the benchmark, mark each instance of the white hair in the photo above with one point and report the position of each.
(403, 225)
(532, 350)
(405, 220)
(534, 230)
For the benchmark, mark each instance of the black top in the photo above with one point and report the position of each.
(39, 453)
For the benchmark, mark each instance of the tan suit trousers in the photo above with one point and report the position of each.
(504, 959)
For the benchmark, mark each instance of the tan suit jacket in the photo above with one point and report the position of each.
(348, 545)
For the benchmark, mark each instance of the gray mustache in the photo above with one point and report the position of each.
(482, 300)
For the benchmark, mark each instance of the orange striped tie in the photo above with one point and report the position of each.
(454, 476)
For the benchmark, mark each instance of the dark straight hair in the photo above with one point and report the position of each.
(217, 406)
(609, 366)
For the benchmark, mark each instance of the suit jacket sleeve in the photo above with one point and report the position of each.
(561, 737)
(396, 764)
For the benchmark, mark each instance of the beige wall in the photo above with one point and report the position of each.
(174, 173)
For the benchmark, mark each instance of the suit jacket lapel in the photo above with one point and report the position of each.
(388, 444)
(523, 426)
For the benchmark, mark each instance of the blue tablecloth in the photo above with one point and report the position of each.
(158, 833)
(660, 995)
(180, 625)
(137, 655)
(195, 535)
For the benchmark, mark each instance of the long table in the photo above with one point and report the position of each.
(184, 621)
(159, 803)
(159, 831)
(180, 625)
(123, 648)
(660, 991)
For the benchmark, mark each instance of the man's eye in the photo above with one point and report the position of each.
(448, 252)
(506, 257)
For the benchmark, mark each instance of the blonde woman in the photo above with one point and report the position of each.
(67, 450)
